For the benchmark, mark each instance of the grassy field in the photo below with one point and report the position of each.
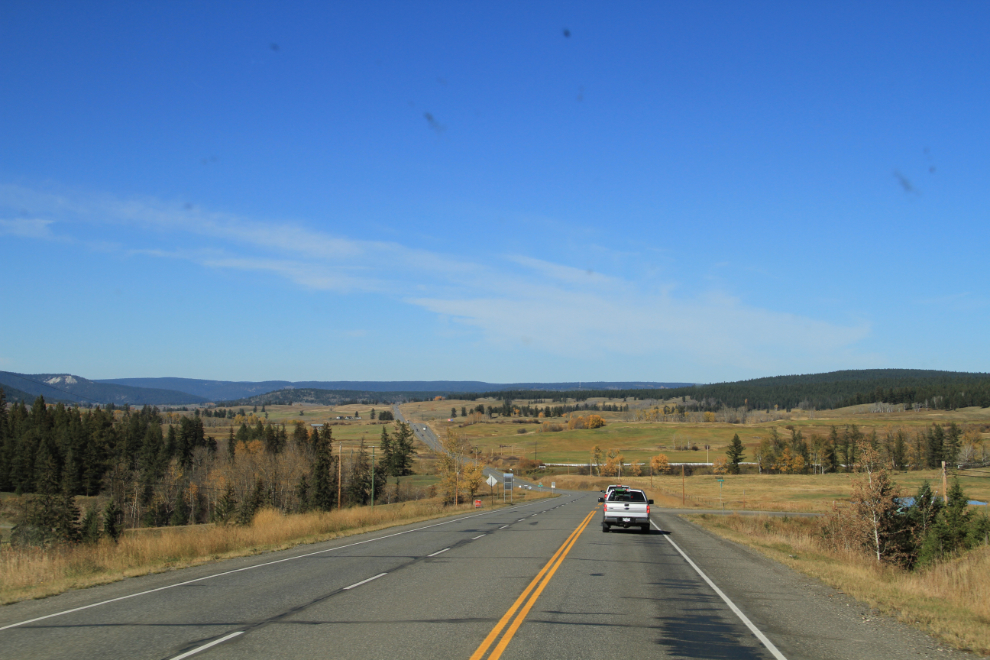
(950, 600)
(638, 441)
(34, 573)
(776, 492)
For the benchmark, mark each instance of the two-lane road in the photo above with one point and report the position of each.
(538, 580)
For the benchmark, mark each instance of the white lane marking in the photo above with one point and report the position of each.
(477, 537)
(358, 584)
(206, 646)
(503, 526)
(438, 552)
(521, 519)
(247, 568)
(732, 606)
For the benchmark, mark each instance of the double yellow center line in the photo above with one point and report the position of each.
(519, 610)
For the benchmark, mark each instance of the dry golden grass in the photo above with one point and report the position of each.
(27, 573)
(950, 600)
(767, 492)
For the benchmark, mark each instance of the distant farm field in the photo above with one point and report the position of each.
(638, 441)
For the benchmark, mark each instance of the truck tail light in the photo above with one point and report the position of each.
(647, 510)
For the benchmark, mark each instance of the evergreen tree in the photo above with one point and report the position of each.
(324, 472)
(171, 444)
(251, 505)
(735, 454)
(90, 526)
(953, 441)
(7, 445)
(231, 444)
(226, 505)
(303, 493)
(113, 521)
(935, 451)
(359, 484)
(243, 433)
(300, 436)
(180, 509)
(387, 455)
(402, 446)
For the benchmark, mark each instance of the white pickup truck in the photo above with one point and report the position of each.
(625, 507)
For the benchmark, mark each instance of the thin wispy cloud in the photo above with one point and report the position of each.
(509, 300)
(27, 228)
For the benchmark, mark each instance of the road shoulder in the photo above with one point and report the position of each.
(804, 617)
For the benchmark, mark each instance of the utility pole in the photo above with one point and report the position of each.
(340, 459)
(945, 486)
(372, 478)
(683, 487)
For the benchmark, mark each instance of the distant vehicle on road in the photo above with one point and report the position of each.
(608, 490)
(625, 507)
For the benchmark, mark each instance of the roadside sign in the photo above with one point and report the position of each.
(477, 504)
(491, 481)
(507, 479)
(553, 484)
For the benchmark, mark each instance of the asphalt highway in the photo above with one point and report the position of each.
(537, 580)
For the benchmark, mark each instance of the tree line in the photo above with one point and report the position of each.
(155, 474)
(947, 390)
(838, 451)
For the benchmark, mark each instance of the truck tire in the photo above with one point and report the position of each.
(604, 528)
(645, 528)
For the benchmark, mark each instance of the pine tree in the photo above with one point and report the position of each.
(7, 446)
(387, 453)
(90, 526)
(113, 521)
(251, 505)
(303, 493)
(324, 472)
(300, 436)
(180, 509)
(171, 444)
(402, 446)
(226, 505)
(735, 454)
(953, 441)
(359, 484)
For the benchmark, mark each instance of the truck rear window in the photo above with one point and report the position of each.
(626, 497)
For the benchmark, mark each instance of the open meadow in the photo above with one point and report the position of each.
(516, 438)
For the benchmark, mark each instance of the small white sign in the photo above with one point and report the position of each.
(491, 481)
(553, 484)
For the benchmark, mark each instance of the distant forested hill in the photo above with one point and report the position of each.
(225, 390)
(327, 397)
(12, 395)
(836, 389)
(76, 389)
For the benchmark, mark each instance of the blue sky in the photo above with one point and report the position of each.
(693, 191)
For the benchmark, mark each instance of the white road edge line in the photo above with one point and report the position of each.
(438, 552)
(358, 584)
(477, 537)
(732, 606)
(247, 568)
(503, 526)
(206, 646)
